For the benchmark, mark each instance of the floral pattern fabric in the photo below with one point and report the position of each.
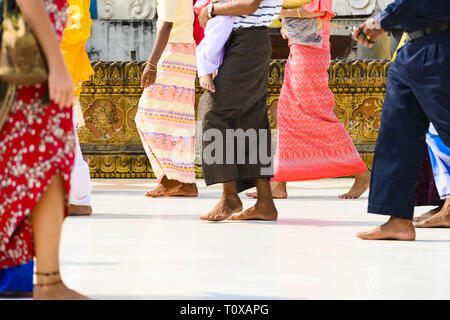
(36, 143)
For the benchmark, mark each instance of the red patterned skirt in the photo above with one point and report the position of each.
(36, 143)
(312, 143)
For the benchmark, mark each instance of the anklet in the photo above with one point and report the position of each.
(47, 274)
(47, 284)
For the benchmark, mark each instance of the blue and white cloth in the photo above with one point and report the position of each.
(268, 12)
(440, 161)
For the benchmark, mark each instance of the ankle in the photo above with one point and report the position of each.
(279, 187)
(169, 183)
(47, 279)
(401, 222)
(363, 175)
(265, 204)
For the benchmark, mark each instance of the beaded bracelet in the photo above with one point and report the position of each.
(152, 65)
(47, 274)
(47, 284)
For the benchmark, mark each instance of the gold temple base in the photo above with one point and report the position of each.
(110, 99)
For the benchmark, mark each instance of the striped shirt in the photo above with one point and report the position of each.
(268, 12)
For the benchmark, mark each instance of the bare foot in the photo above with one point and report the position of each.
(439, 220)
(279, 191)
(56, 292)
(173, 188)
(394, 229)
(258, 212)
(428, 214)
(225, 208)
(75, 210)
(362, 183)
(207, 83)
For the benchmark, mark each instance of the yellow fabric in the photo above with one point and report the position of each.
(401, 44)
(276, 24)
(291, 4)
(181, 13)
(78, 30)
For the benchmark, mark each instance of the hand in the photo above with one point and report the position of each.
(319, 14)
(203, 17)
(60, 85)
(148, 76)
(283, 32)
(372, 31)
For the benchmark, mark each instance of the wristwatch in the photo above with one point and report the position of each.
(210, 9)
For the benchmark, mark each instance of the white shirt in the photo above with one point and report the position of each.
(268, 12)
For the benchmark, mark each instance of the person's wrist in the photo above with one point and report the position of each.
(210, 10)
(151, 64)
(55, 61)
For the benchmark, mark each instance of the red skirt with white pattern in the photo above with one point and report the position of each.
(36, 143)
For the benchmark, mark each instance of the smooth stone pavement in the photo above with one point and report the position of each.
(135, 247)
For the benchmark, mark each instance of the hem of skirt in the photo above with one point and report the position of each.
(445, 196)
(404, 213)
(187, 181)
(66, 189)
(4, 267)
(237, 178)
(269, 177)
(429, 203)
(161, 174)
(217, 181)
(342, 173)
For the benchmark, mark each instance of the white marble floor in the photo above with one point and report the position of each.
(139, 248)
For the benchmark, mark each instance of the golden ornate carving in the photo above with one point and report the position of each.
(110, 99)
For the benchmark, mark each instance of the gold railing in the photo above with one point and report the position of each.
(110, 98)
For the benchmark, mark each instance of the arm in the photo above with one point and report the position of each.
(59, 80)
(296, 13)
(162, 38)
(397, 11)
(234, 8)
(371, 30)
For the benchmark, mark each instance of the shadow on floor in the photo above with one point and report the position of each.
(325, 198)
(434, 241)
(139, 216)
(120, 192)
(195, 217)
(217, 194)
(325, 223)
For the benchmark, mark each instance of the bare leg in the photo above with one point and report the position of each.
(264, 209)
(394, 229)
(279, 190)
(206, 82)
(428, 214)
(439, 220)
(228, 204)
(362, 183)
(173, 188)
(47, 219)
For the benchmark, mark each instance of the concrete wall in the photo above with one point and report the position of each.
(113, 40)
